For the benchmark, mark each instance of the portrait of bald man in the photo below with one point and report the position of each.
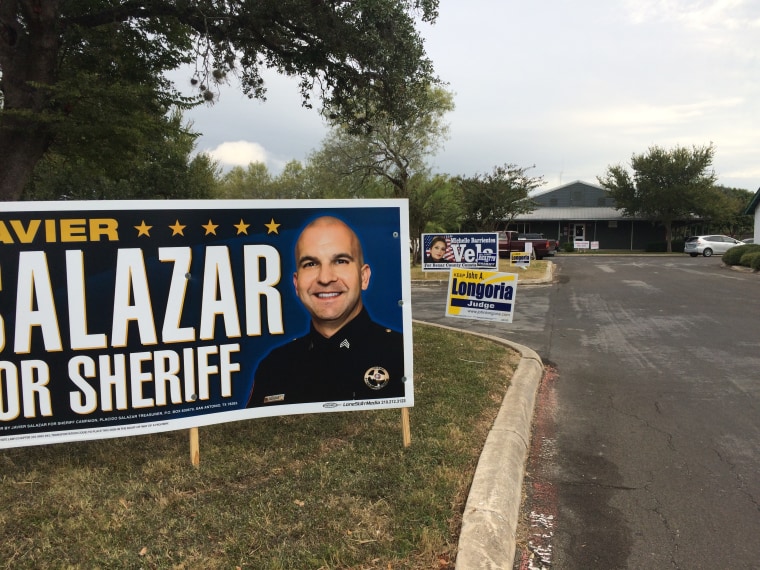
(345, 355)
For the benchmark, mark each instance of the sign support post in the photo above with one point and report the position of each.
(406, 430)
(195, 450)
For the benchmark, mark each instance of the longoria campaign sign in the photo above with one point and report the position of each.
(486, 295)
(441, 252)
(520, 259)
(126, 318)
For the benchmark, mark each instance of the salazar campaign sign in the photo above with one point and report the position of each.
(125, 318)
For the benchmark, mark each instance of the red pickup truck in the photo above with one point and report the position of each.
(513, 241)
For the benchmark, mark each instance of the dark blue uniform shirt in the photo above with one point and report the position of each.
(362, 361)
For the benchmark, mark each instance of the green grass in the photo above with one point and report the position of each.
(318, 491)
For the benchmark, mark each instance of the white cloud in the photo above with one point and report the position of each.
(646, 118)
(696, 14)
(239, 153)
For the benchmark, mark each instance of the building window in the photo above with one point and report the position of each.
(613, 224)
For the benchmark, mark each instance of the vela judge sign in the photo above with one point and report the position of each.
(123, 318)
(485, 295)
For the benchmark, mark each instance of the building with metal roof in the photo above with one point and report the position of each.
(583, 212)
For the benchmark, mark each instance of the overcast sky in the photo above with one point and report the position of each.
(570, 87)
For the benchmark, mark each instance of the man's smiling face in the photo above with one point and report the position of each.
(330, 274)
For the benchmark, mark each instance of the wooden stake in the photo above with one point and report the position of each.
(406, 429)
(195, 450)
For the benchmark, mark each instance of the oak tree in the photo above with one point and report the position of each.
(728, 214)
(163, 166)
(82, 67)
(491, 201)
(666, 185)
(392, 148)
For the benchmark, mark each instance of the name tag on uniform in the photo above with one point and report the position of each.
(274, 398)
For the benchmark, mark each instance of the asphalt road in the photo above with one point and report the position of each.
(646, 451)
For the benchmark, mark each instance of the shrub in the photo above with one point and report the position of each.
(568, 247)
(751, 259)
(734, 255)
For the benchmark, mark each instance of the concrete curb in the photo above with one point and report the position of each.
(489, 523)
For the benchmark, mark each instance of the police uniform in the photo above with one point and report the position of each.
(362, 361)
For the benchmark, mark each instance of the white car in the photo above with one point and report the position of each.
(707, 245)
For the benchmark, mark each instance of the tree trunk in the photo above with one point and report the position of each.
(21, 149)
(669, 236)
(29, 62)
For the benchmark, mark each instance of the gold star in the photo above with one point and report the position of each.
(143, 229)
(272, 227)
(242, 227)
(210, 227)
(177, 229)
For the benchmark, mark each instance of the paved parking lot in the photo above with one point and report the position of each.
(656, 446)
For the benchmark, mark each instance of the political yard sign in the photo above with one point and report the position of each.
(520, 259)
(484, 295)
(126, 318)
(441, 252)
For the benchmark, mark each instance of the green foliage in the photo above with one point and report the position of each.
(666, 185)
(752, 260)
(297, 181)
(159, 167)
(434, 205)
(293, 182)
(491, 201)
(91, 73)
(727, 216)
(734, 255)
(252, 182)
(389, 147)
(333, 176)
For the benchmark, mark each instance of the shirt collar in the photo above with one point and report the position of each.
(344, 337)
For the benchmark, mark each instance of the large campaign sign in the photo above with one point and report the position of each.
(441, 252)
(125, 318)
